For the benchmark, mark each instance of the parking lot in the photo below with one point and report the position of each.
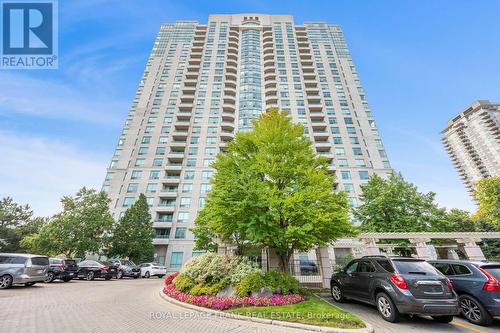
(125, 305)
(407, 324)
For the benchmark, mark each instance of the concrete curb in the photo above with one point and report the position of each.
(221, 314)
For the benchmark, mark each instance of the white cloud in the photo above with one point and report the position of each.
(39, 172)
(51, 99)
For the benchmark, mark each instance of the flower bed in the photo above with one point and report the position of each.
(222, 303)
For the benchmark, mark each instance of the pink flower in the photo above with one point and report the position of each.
(222, 303)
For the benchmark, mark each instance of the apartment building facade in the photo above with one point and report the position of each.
(204, 82)
(472, 139)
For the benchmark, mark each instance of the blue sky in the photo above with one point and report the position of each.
(421, 62)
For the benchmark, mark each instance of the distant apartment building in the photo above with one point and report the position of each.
(472, 140)
(204, 82)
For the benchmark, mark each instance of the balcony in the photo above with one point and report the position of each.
(228, 107)
(227, 125)
(160, 241)
(173, 167)
(178, 143)
(171, 180)
(185, 106)
(226, 135)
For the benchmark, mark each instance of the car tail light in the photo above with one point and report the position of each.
(399, 281)
(104, 268)
(492, 283)
(449, 284)
(60, 266)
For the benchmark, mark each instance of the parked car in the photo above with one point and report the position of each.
(126, 268)
(308, 267)
(91, 269)
(18, 268)
(397, 285)
(62, 269)
(477, 285)
(152, 269)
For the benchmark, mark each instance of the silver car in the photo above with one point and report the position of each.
(19, 268)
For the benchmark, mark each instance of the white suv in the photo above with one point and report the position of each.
(152, 269)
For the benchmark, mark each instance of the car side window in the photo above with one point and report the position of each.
(365, 267)
(4, 260)
(386, 265)
(461, 269)
(352, 267)
(444, 268)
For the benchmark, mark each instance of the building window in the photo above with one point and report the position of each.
(180, 233)
(151, 188)
(128, 201)
(345, 175)
(188, 174)
(185, 203)
(182, 217)
(363, 175)
(136, 174)
(176, 259)
(132, 187)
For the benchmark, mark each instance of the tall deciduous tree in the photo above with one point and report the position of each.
(487, 195)
(133, 235)
(81, 227)
(16, 221)
(271, 189)
(394, 205)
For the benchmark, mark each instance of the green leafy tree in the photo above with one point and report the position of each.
(271, 189)
(457, 220)
(81, 227)
(133, 235)
(395, 205)
(15, 222)
(487, 195)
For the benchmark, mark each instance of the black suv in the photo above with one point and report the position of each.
(62, 269)
(397, 285)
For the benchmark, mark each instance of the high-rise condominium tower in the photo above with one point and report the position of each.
(204, 82)
(472, 139)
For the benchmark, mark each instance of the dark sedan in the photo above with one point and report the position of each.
(477, 284)
(91, 269)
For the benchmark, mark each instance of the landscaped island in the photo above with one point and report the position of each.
(235, 284)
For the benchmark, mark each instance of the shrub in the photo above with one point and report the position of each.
(249, 283)
(209, 268)
(183, 282)
(287, 283)
(203, 289)
(241, 267)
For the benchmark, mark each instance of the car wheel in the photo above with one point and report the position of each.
(337, 294)
(443, 319)
(119, 275)
(147, 275)
(90, 276)
(135, 276)
(29, 284)
(50, 277)
(66, 279)
(107, 278)
(474, 311)
(160, 276)
(386, 308)
(5, 282)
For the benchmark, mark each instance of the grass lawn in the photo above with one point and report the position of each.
(312, 311)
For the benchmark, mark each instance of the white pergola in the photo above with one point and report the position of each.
(366, 243)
